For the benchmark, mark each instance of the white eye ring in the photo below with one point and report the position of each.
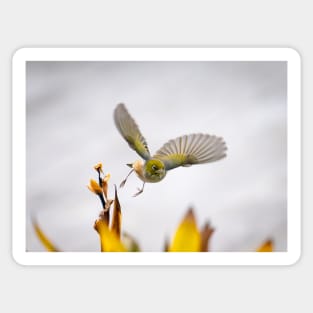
(154, 167)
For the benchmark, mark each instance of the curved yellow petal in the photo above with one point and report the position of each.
(94, 187)
(267, 246)
(44, 239)
(109, 240)
(187, 237)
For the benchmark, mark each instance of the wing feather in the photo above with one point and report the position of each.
(129, 130)
(191, 149)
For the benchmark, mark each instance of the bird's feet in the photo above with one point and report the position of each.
(139, 190)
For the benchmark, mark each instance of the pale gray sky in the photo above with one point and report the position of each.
(70, 128)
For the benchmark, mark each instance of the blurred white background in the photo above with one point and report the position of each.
(70, 128)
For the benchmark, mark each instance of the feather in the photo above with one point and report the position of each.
(191, 149)
(129, 130)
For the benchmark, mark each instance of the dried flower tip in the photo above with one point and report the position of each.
(95, 226)
(106, 177)
(206, 233)
(104, 216)
(108, 205)
(104, 183)
(98, 167)
(94, 187)
(166, 245)
(116, 221)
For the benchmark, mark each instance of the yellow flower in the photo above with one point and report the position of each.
(187, 237)
(109, 227)
(98, 167)
(94, 187)
(109, 240)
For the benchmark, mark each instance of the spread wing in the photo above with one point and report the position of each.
(130, 131)
(191, 149)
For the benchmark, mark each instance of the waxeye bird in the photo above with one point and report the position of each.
(184, 151)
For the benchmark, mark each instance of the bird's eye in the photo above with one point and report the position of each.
(154, 167)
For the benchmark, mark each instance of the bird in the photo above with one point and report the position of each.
(186, 150)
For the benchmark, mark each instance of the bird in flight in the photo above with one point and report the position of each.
(184, 151)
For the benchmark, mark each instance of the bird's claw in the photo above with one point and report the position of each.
(138, 193)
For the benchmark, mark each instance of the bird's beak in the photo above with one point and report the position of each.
(130, 165)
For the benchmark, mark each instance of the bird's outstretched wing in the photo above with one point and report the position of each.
(130, 131)
(191, 149)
